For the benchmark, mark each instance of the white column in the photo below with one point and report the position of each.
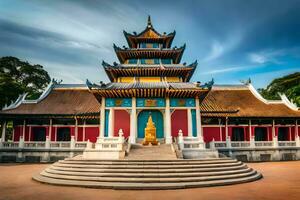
(198, 120)
(102, 118)
(3, 131)
(133, 123)
(226, 128)
(111, 122)
(296, 129)
(83, 130)
(273, 129)
(29, 133)
(297, 139)
(251, 138)
(168, 122)
(50, 130)
(24, 129)
(76, 129)
(190, 125)
(55, 134)
(220, 129)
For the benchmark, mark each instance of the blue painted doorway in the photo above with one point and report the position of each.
(157, 119)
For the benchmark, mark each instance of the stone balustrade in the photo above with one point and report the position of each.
(228, 144)
(44, 144)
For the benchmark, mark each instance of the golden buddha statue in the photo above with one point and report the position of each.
(150, 133)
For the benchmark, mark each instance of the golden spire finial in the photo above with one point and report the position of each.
(149, 24)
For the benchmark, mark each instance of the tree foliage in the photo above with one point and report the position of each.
(288, 85)
(18, 77)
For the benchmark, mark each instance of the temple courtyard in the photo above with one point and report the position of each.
(281, 181)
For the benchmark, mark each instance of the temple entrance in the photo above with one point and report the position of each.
(157, 120)
(283, 133)
(237, 134)
(63, 134)
(39, 133)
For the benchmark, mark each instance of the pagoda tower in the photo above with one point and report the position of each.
(149, 72)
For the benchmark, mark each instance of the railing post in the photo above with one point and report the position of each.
(297, 139)
(121, 139)
(228, 142)
(72, 146)
(121, 136)
(21, 142)
(47, 144)
(212, 144)
(180, 139)
(275, 142)
(252, 141)
(72, 143)
(88, 144)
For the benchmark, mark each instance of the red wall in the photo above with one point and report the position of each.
(91, 133)
(17, 133)
(210, 133)
(80, 134)
(122, 121)
(179, 121)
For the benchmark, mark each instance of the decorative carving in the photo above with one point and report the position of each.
(150, 102)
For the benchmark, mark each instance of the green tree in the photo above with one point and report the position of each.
(288, 85)
(19, 77)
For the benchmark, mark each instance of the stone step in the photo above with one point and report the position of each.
(145, 170)
(132, 162)
(147, 180)
(149, 175)
(80, 158)
(147, 186)
(146, 166)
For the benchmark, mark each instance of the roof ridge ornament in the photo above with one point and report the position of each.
(149, 23)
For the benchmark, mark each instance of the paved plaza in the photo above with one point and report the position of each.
(281, 181)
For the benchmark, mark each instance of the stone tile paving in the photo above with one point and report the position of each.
(281, 181)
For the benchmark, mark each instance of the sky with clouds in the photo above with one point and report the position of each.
(232, 40)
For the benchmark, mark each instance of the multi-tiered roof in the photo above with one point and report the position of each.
(149, 66)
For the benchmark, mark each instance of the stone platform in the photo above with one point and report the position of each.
(147, 174)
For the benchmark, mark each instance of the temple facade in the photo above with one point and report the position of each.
(151, 80)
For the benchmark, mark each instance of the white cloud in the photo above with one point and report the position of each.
(229, 69)
(268, 55)
(257, 58)
(217, 50)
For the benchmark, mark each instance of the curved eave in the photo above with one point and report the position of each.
(124, 54)
(48, 116)
(147, 92)
(133, 40)
(185, 72)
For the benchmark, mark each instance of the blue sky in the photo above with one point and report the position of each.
(232, 40)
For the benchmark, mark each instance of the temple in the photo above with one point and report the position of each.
(151, 80)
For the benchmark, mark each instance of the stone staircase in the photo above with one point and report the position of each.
(138, 173)
(160, 152)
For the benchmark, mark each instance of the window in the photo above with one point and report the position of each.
(132, 61)
(63, 134)
(166, 61)
(283, 133)
(260, 134)
(149, 45)
(39, 133)
(150, 61)
(237, 134)
(156, 61)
